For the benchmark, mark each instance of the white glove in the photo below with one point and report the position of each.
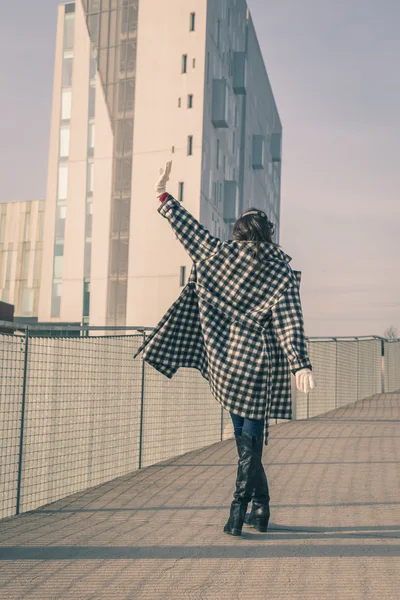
(160, 186)
(305, 380)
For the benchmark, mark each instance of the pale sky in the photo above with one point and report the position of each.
(333, 66)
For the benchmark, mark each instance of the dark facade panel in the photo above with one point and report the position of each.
(230, 211)
(276, 147)
(239, 73)
(219, 108)
(258, 152)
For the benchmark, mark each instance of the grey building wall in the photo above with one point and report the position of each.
(238, 168)
(226, 34)
(262, 181)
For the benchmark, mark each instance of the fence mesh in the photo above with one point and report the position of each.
(345, 371)
(77, 410)
(179, 415)
(82, 415)
(392, 366)
(12, 356)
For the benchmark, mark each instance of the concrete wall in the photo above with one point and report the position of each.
(155, 256)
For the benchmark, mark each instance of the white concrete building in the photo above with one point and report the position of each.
(21, 246)
(137, 83)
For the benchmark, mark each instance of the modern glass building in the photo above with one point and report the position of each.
(135, 84)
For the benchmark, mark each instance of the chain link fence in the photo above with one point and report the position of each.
(76, 410)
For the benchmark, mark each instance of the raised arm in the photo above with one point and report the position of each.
(195, 238)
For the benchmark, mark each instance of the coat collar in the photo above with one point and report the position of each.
(269, 251)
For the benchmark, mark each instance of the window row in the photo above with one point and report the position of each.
(189, 101)
(107, 28)
(185, 63)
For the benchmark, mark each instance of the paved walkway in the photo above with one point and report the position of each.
(157, 534)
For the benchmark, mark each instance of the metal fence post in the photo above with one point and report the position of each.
(336, 372)
(358, 369)
(21, 434)
(141, 411)
(383, 366)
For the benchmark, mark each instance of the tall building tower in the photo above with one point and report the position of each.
(137, 83)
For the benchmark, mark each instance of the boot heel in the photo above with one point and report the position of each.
(235, 532)
(260, 526)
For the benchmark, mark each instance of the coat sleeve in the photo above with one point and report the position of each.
(288, 326)
(195, 238)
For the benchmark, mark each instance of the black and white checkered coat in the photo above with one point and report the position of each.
(239, 325)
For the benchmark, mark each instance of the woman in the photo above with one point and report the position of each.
(238, 320)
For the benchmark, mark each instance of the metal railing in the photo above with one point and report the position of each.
(348, 369)
(77, 411)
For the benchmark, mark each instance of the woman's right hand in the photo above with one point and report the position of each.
(305, 380)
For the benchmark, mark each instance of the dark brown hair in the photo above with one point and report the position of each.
(254, 227)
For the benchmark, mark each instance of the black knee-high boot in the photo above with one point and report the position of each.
(247, 468)
(260, 511)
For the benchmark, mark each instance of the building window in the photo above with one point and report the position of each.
(27, 227)
(182, 276)
(56, 300)
(86, 298)
(233, 142)
(91, 137)
(60, 222)
(190, 145)
(9, 261)
(36, 266)
(90, 177)
(40, 227)
(64, 142)
(192, 21)
(208, 67)
(27, 302)
(25, 261)
(62, 181)
(67, 72)
(2, 227)
(184, 63)
(217, 156)
(69, 32)
(190, 101)
(92, 101)
(179, 102)
(218, 33)
(93, 66)
(66, 97)
(194, 63)
(181, 189)
(87, 261)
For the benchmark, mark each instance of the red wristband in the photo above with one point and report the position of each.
(163, 196)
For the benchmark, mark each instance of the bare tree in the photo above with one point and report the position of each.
(391, 333)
